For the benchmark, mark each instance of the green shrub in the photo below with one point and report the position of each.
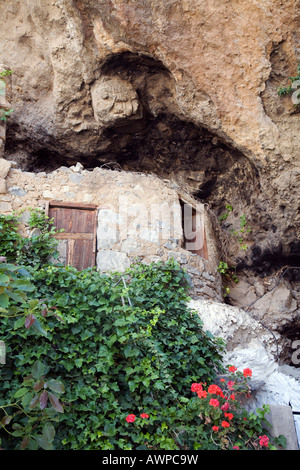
(114, 346)
(116, 350)
(36, 249)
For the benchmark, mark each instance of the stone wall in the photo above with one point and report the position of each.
(139, 217)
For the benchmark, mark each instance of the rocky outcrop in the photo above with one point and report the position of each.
(195, 83)
(250, 344)
(186, 90)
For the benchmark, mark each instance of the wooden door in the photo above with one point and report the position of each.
(194, 230)
(79, 222)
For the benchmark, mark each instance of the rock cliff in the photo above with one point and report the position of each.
(186, 90)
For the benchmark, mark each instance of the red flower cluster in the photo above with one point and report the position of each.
(225, 407)
(214, 402)
(263, 441)
(247, 372)
(215, 390)
(131, 418)
(199, 390)
(225, 424)
(196, 387)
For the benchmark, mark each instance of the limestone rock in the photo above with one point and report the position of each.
(5, 166)
(108, 260)
(203, 80)
(3, 188)
(277, 307)
(247, 345)
(115, 102)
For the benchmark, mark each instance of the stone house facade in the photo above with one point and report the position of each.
(135, 217)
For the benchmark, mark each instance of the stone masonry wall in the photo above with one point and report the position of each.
(139, 217)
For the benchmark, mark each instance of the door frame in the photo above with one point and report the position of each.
(76, 205)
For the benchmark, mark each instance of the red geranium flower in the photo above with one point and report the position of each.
(225, 407)
(202, 393)
(214, 402)
(144, 415)
(230, 384)
(130, 418)
(215, 390)
(264, 441)
(247, 372)
(196, 387)
(229, 416)
(232, 369)
(215, 428)
(225, 424)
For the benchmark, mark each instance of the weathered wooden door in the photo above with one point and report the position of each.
(78, 240)
(194, 230)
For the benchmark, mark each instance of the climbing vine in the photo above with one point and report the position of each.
(241, 234)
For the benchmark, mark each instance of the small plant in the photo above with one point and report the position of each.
(29, 418)
(229, 275)
(229, 272)
(292, 88)
(34, 250)
(220, 421)
(226, 214)
(243, 230)
(4, 114)
(226, 422)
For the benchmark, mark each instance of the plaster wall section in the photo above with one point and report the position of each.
(139, 218)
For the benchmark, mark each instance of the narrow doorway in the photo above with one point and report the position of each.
(194, 237)
(77, 242)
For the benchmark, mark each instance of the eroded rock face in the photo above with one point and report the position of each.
(115, 102)
(184, 89)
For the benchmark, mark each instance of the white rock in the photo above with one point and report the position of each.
(250, 345)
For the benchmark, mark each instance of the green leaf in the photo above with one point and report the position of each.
(19, 323)
(39, 328)
(34, 402)
(22, 285)
(56, 403)
(38, 370)
(49, 432)
(27, 398)
(4, 300)
(43, 442)
(4, 280)
(18, 297)
(19, 393)
(56, 386)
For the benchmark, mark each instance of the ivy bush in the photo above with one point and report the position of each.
(118, 349)
(107, 362)
(34, 250)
